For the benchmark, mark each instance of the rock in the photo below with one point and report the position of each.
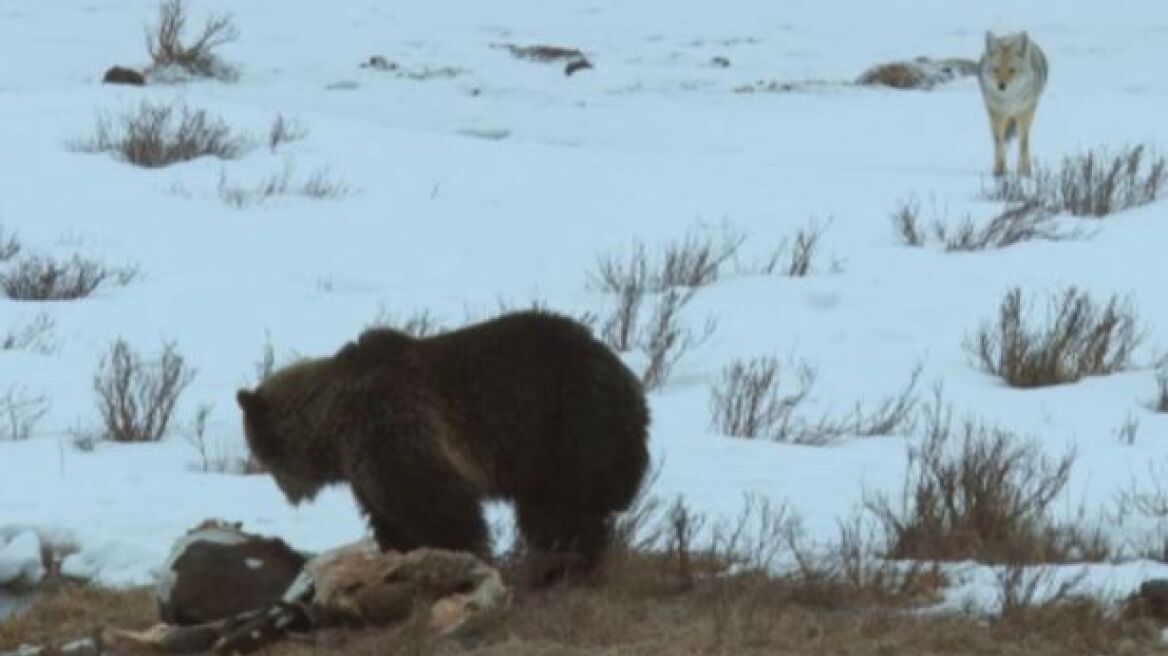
(123, 75)
(21, 564)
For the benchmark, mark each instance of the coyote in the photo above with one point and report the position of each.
(1012, 73)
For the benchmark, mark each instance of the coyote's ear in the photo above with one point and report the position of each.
(249, 401)
(990, 40)
(1023, 42)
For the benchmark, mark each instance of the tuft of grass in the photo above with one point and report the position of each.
(136, 398)
(162, 134)
(169, 51)
(1095, 183)
(1079, 339)
(36, 278)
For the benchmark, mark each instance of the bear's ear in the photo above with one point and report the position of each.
(250, 401)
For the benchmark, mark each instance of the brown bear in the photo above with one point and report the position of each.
(527, 407)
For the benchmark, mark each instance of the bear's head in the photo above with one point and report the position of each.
(286, 422)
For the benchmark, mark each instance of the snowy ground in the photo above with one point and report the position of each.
(651, 143)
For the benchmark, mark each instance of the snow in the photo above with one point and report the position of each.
(502, 180)
(20, 559)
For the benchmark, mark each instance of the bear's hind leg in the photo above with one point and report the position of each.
(563, 542)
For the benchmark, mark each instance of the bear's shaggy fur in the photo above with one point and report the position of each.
(527, 407)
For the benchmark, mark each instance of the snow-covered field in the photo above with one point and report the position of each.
(505, 181)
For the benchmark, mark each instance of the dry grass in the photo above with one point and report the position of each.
(1079, 339)
(168, 51)
(639, 610)
(701, 592)
(981, 493)
(419, 323)
(1095, 183)
(749, 402)
(73, 611)
(136, 398)
(318, 186)
(152, 137)
(36, 278)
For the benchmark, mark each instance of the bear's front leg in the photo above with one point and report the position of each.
(413, 501)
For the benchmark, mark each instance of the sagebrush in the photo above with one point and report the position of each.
(38, 278)
(136, 397)
(1079, 337)
(169, 51)
(977, 492)
(161, 134)
(1095, 183)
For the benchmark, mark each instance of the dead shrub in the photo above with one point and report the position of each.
(168, 51)
(1094, 184)
(850, 570)
(795, 257)
(906, 221)
(748, 402)
(317, 187)
(284, 131)
(36, 336)
(19, 413)
(1080, 339)
(665, 340)
(36, 278)
(974, 492)
(218, 457)
(1161, 402)
(619, 330)
(136, 398)
(1025, 589)
(153, 138)
(10, 245)
(694, 261)
(1027, 220)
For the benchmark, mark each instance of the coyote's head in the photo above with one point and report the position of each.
(1007, 58)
